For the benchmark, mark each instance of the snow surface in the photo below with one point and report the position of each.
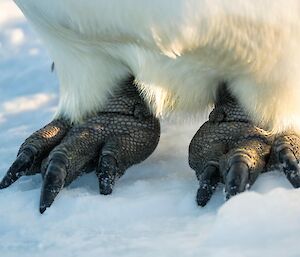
(152, 211)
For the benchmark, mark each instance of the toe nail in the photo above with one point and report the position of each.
(42, 209)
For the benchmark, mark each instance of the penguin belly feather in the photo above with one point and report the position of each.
(178, 52)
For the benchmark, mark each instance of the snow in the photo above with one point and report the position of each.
(152, 211)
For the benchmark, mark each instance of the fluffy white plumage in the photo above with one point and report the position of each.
(178, 51)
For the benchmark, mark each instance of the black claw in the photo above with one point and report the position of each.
(290, 166)
(48, 196)
(204, 193)
(237, 179)
(106, 185)
(54, 181)
(106, 173)
(42, 209)
(208, 182)
(18, 168)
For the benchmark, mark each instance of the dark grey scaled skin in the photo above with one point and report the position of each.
(34, 150)
(285, 155)
(229, 148)
(122, 134)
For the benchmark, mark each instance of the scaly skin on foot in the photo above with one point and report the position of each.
(229, 148)
(285, 155)
(34, 150)
(124, 133)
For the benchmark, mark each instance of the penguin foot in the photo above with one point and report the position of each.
(122, 134)
(230, 149)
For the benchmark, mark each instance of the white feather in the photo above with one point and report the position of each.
(178, 51)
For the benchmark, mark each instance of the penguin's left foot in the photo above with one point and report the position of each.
(229, 148)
